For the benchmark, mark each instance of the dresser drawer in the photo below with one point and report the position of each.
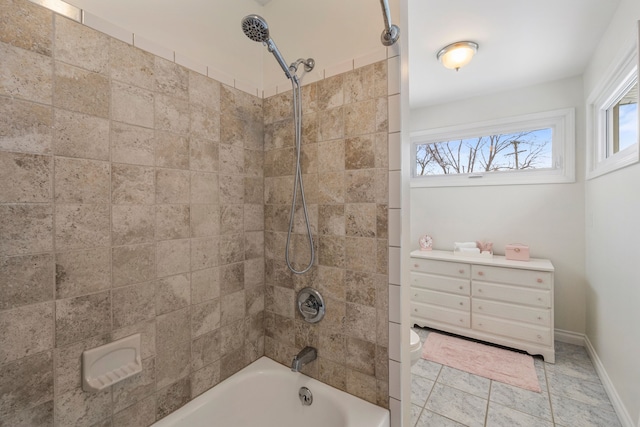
(511, 329)
(536, 316)
(440, 283)
(515, 294)
(441, 314)
(453, 269)
(442, 299)
(531, 278)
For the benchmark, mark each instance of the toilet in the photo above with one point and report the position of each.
(416, 346)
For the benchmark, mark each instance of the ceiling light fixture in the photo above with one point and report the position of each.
(457, 54)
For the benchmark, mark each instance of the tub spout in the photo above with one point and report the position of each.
(306, 355)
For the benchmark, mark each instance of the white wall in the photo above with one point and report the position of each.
(612, 251)
(549, 218)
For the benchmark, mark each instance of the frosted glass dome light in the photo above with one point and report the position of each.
(457, 55)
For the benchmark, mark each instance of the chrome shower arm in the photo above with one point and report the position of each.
(391, 33)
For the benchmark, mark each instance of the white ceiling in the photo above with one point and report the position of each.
(522, 42)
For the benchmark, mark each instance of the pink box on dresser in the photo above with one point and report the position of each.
(517, 252)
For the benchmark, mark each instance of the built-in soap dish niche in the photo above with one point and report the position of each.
(111, 363)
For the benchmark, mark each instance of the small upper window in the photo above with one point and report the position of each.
(613, 118)
(536, 148)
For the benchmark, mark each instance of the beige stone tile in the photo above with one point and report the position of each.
(332, 282)
(82, 272)
(26, 178)
(79, 90)
(172, 397)
(306, 334)
(254, 272)
(361, 385)
(82, 317)
(135, 388)
(331, 251)
(361, 219)
(309, 158)
(253, 190)
(205, 378)
(131, 65)
(147, 331)
(331, 220)
(132, 185)
(205, 253)
(205, 123)
(26, 383)
(331, 92)
(361, 288)
(382, 115)
(254, 300)
(133, 264)
(171, 78)
(205, 350)
(68, 362)
(331, 187)
(205, 317)
(280, 301)
(231, 219)
(25, 280)
(204, 91)
(25, 331)
(333, 346)
(171, 114)
(382, 363)
(25, 229)
(361, 356)
(231, 159)
(382, 150)
(173, 328)
(173, 293)
(142, 413)
(79, 135)
(173, 257)
(360, 152)
(360, 186)
(277, 191)
(76, 407)
(279, 162)
(233, 308)
(205, 285)
(382, 256)
(232, 337)
(79, 45)
(205, 220)
(359, 84)
(172, 186)
(360, 254)
(81, 181)
(40, 415)
(172, 222)
(331, 124)
(132, 144)
(332, 373)
(276, 217)
(203, 155)
(231, 189)
(204, 188)
(254, 163)
(280, 134)
(27, 26)
(25, 126)
(231, 278)
(382, 221)
(232, 248)
(132, 105)
(359, 319)
(133, 304)
(360, 118)
(253, 245)
(132, 224)
(26, 75)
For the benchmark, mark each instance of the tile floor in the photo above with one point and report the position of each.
(572, 395)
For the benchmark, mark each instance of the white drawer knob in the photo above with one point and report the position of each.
(416, 265)
(479, 324)
(539, 318)
(479, 289)
(461, 271)
(461, 287)
(479, 307)
(539, 299)
(461, 320)
(539, 337)
(480, 273)
(539, 280)
(461, 303)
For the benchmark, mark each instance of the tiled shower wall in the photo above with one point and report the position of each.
(345, 165)
(131, 200)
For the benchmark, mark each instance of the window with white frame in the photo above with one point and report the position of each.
(612, 118)
(530, 149)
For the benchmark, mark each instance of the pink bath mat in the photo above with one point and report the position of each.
(505, 366)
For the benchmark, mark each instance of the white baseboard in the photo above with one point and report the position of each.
(569, 337)
(623, 415)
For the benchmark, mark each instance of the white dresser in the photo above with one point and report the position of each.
(491, 299)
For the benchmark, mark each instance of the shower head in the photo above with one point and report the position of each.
(256, 28)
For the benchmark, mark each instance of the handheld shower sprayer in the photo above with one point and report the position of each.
(256, 28)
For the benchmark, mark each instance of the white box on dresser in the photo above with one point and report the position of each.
(491, 299)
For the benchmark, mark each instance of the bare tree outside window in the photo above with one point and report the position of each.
(501, 152)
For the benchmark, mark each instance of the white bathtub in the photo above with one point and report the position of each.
(265, 394)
